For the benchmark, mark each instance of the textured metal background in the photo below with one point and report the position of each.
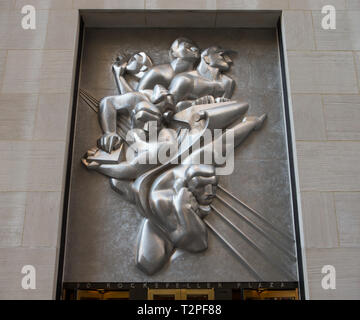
(102, 227)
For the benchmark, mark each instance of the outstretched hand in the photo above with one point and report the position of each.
(119, 67)
(91, 165)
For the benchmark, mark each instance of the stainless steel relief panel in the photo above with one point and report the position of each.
(243, 229)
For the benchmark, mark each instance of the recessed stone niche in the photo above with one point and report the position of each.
(102, 227)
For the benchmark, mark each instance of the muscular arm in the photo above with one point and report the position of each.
(180, 87)
(191, 232)
(121, 83)
(109, 108)
(124, 170)
(127, 170)
(229, 87)
(113, 105)
(161, 74)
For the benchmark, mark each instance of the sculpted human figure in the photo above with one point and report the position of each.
(183, 54)
(206, 84)
(143, 112)
(179, 199)
(173, 198)
(138, 107)
(151, 88)
(206, 81)
(135, 67)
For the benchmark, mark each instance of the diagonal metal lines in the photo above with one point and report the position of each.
(263, 253)
(257, 214)
(242, 259)
(257, 228)
(89, 100)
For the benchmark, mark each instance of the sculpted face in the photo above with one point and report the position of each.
(203, 188)
(138, 64)
(217, 58)
(185, 49)
(134, 63)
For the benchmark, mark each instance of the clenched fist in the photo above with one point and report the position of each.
(109, 142)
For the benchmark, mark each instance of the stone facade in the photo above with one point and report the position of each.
(36, 75)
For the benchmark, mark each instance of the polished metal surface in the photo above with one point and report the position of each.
(158, 219)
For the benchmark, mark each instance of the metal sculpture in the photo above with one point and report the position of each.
(181, 103)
